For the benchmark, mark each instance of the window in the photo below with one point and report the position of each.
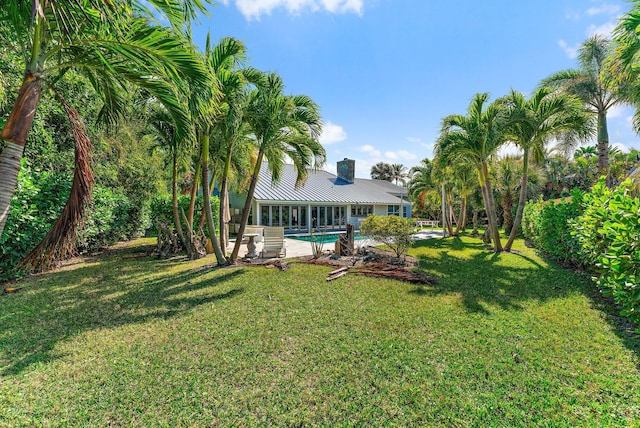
(393, 210)
(361, 210)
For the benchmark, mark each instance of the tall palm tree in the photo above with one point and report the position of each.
(533, 123)
(475, 138)
(381, 171)
(229, 127)
(107, 41)
(283, 126)
(593, 85)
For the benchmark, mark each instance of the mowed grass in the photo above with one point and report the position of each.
(501, 340)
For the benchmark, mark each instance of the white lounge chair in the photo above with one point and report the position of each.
(273, 242)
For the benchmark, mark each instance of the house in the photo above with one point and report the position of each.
(326, 202)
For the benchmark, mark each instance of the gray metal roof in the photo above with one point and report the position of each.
(324, 187)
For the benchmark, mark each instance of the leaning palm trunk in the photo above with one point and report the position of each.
(521, 201)
(247, 207)
(60, 242)
(207, 202)
(14, 134)
(491, 214)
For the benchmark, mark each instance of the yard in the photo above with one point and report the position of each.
(125, 339)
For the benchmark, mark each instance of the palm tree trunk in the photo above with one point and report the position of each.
(247, 207)
(207, 201)
(521, 201)
(60, 241)
(462, 216)
(493, 221)
(14, 134)
(603, 147)
(194, 194)
(224, 199)
(485, 200)
(474, 220)
(174, 202)
(203, 217)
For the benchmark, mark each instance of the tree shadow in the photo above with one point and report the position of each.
(482, 281)
(109, 292)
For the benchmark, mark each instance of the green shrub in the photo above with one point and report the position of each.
(548, 226)
(393, 231)
(609, 234)
(36, 205)
(110, 217)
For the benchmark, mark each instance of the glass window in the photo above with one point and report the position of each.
(393, 210)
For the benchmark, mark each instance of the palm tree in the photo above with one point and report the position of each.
(593, 85)
(533, 123)
(423, 189)
(623, 63)
(585, 152)
(475, 138)
(381, 171)
(398, 173)
(283, 126)
(507, 179)
(230, 130)
(109, 42)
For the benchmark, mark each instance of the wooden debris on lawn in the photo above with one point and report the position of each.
(383, 270)
(335, 274)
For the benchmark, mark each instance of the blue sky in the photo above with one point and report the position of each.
(385, 72)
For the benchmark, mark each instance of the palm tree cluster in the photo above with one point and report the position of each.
(567, 109)
(213, 117)
(395, 173)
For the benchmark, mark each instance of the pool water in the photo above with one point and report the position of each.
(325, 238)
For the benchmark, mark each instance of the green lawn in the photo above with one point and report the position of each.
(128, 340)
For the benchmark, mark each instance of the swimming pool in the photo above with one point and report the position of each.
(325, 238)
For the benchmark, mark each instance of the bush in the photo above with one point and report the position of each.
(393, 231)
(547, 225)
(111, 217)
(609, 234)
(36, 205)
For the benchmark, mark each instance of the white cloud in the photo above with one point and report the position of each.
(608, 9)
(572, 15)
(616, 111)
(605, 29)
(253, 9)
(390, 156)
(622, 147)
(406, 155)
(571, 51)
(372, 151)
(332, 133)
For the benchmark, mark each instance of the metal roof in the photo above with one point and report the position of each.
(324, 187)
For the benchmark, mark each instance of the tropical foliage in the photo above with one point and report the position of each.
(393, 231)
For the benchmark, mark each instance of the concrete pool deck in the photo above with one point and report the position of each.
(299, 248)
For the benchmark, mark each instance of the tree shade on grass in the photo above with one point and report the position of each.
(502, 339)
